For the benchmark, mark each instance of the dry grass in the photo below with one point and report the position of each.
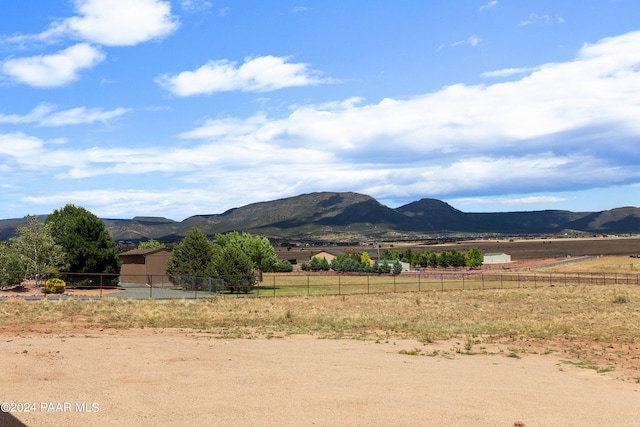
(603, 264)
(575, 313)
(594, 326)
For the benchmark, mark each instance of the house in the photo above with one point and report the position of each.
(329, 256)
(496, 258)
(405, 265)
(144, 266)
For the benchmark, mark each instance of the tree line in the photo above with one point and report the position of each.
(389, 261)
(232, 258)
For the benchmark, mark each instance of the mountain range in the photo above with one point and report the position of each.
(349, 217)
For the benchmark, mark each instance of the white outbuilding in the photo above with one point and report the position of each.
(496, 258)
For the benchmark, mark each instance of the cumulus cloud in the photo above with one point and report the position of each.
(559, 126)
(46, 115)
(53, 70)
(109, 23)
(260, 74)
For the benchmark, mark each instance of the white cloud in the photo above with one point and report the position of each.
(507, 72)
(109, 23)
(534, 18)
(195, 5)
(488, 5)
(507, 201)
(471, 41)
(261, 74)
(53, 70)
(542, 132)
(45, 115)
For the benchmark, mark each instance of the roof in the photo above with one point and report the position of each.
(143, 252)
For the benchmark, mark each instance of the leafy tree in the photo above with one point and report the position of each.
(257, 248)
(432, 260)
(365, 259)
(12, 268)
(444, 259)
(457, 259)
(38, 250)
(234, 266)
(474, 258)
(151, 244)
(85, 239)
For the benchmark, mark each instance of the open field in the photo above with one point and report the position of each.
(518, 248)
(544, 355)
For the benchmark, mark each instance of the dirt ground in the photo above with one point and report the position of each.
(178, 377)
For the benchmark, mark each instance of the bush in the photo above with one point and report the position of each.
(621, 299)
(55, 286)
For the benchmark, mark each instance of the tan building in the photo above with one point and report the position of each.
(144, 266)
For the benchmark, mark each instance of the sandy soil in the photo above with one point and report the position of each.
(175, 377)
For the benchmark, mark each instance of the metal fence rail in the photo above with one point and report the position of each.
(330, 283)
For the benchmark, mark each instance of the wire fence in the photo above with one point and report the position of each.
(325, 283)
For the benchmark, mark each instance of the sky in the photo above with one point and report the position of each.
(187, 107)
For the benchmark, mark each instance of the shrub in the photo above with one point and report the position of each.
(55, 286)
(621, 299)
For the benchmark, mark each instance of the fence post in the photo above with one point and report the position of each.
(394, 283)
(482, 274)
(101, 286)
(338, 284)
(419, 283)
(463, 281)
(368, 290)
(308, 290)
(442, 281)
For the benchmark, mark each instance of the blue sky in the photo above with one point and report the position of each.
(184, 107)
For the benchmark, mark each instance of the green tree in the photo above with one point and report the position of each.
(151, 244)
(233, 266)
(474, 258)
(12, 268)
(284, 266)
(191, 256)
(38, 250)
(257, 248)
(397, 268)
(85, 239)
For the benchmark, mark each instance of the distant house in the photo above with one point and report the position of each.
(405, 265)
(329, 256)
(144, 266)
(496, 258)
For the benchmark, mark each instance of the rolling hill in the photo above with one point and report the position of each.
(329, 216)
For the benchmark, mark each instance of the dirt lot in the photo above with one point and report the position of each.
(166, 377)
(177, 377)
